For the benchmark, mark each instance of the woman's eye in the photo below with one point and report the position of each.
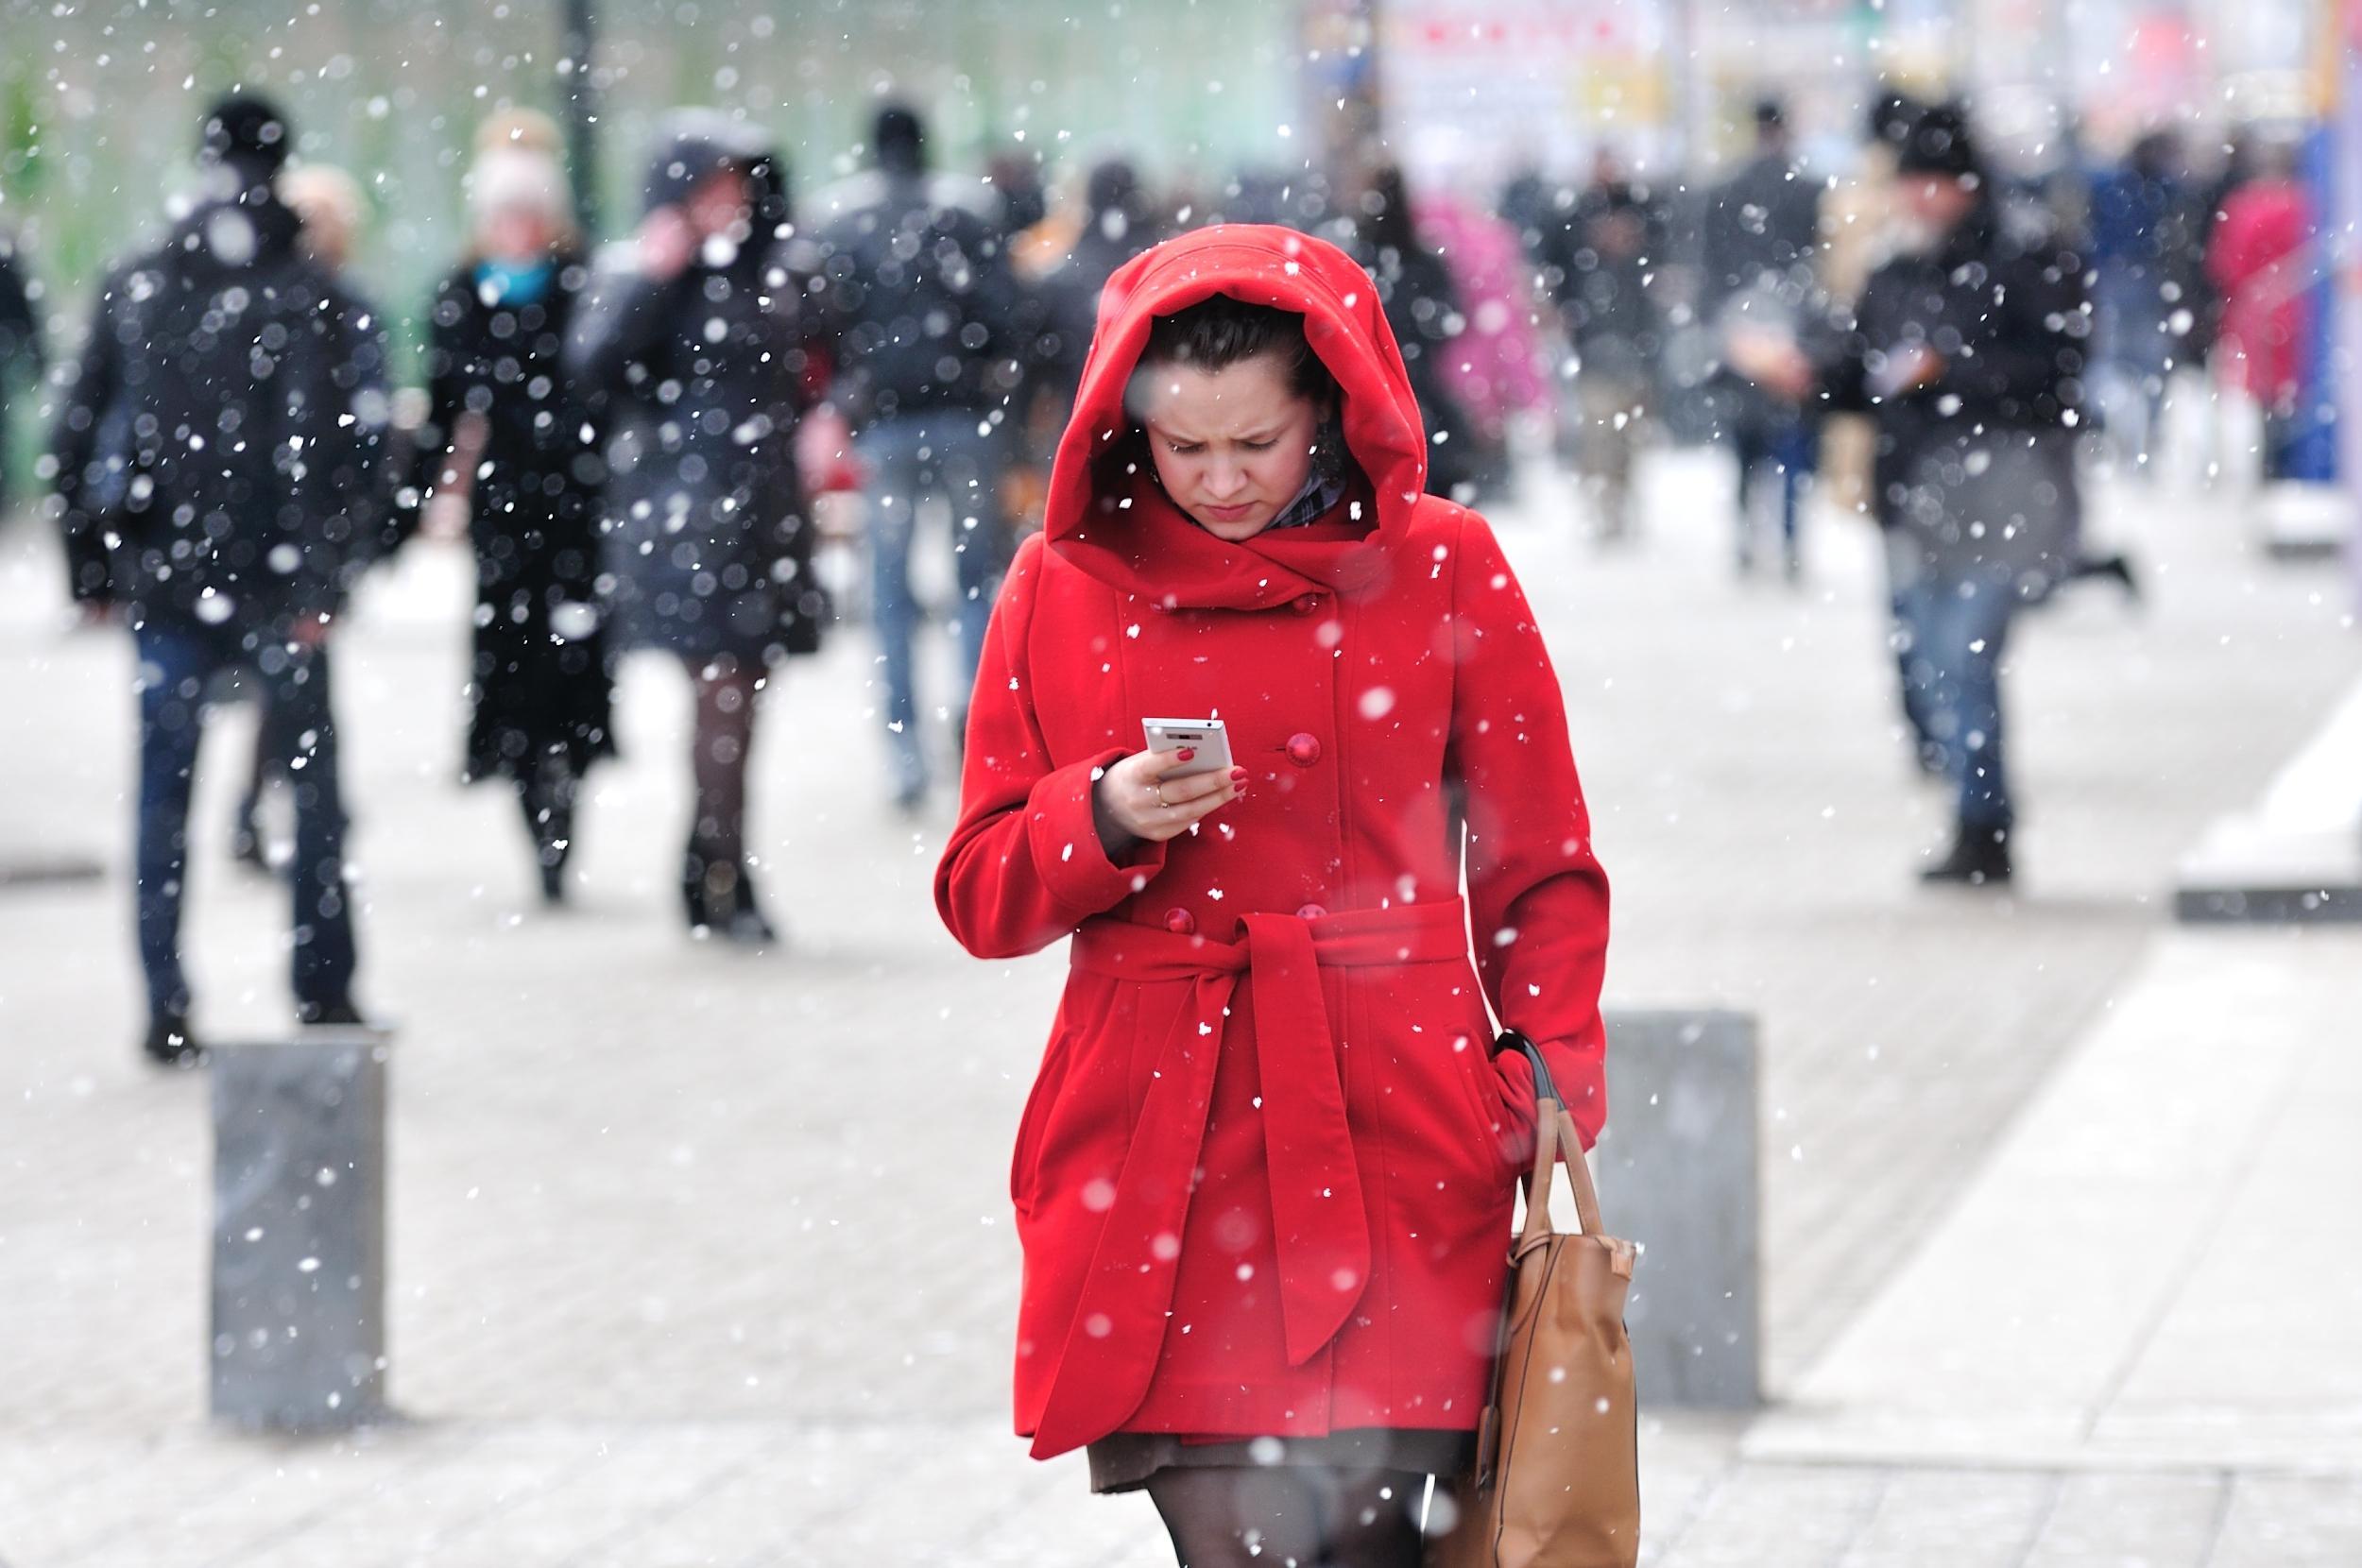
(1261, 445)
(1184, 450)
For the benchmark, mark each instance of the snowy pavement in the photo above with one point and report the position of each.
(704, 1257)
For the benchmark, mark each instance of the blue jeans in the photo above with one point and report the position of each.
(177, 660)
(1955, 631)
(1784, 447)
(911, 457)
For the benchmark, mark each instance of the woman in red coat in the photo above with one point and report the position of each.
(1264, 1179)
(2256, 258)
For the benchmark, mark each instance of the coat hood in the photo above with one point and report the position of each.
(1106, 514)
(692, 143)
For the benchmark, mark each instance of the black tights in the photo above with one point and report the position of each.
(1290, 1516)
(726, 734)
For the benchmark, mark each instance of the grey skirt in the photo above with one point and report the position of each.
(1123, 1461)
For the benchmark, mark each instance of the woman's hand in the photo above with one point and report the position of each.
(666, 243)
(1136, 799)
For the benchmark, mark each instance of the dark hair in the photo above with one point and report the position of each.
(1218, 331)
(1938, 143)
(246, 132)
(901, 139)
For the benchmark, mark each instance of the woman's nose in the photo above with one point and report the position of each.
(1225, 478)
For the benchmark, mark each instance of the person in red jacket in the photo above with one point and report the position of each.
(2257, 258)
(1263, 1181)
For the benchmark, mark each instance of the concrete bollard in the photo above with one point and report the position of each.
(1677, 1173)
(298, 1278)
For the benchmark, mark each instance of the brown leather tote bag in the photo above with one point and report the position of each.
(1556, 1479)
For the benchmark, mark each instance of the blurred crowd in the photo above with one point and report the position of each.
(650, 444)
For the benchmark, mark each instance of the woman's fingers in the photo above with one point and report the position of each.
(1187, 801)
(1178, 792)
(1146, 803)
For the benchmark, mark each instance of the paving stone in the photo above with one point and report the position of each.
(2105, 1521)
(2283, 1522)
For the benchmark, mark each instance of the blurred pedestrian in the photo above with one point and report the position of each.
(512, 434)
(922, 309)
(1761, 239)
(1119, 222)
(1596, 253)
(1969, 349)
(1494, 367)
(691, 330)
(1058, 311)
(327, 204)
(218, 453)
(2260, 258)
(1422, 305)
(1259, 1285)
(2147, 252)
(24, 351)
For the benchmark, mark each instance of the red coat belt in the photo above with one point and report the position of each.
(1320, 1225)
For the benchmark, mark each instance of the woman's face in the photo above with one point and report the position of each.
(1233, 446)
(720, 205)
(518, 235)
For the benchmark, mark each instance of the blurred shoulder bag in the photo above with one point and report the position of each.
(1556, 1479)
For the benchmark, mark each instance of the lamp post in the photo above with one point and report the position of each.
(582, 111)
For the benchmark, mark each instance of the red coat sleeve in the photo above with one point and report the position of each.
(1024, 866)
(1537, 897)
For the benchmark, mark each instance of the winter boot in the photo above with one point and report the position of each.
(1979, 858)
(332, 1013)
(746, 924)
(550, 818)
(169, 1044)
(718, 893)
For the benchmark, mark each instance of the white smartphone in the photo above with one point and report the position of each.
(1212, 743)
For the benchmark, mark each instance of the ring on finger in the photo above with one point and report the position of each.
(1160, 797)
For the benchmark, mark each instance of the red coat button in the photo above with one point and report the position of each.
(1305, 603)
(1311, 911)
(1180, 921)
(1304, 750)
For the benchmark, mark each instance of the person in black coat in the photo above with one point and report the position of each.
(513, 435)
(1599, 250)
(1969, 349)
(1760, 238)
(1422, 304)
(218, 456)
(692, 331)
(1118, 223)
(928, 343)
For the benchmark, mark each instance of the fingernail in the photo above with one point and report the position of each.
(1187, 753)
(1238, 776)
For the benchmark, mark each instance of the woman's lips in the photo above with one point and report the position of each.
(1230, 514)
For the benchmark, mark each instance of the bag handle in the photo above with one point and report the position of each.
(1554, 1135)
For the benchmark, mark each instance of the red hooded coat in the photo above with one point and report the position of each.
(1263, 1182)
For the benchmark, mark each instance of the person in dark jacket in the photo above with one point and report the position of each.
(2147, 250)
(1760, 240)
(514, 435)
(217, 455)
(1118, 224)
(1968, 349)
(1422, 304)
(922, 310)
(23, 353)
(692, 331)
(1597, 249)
